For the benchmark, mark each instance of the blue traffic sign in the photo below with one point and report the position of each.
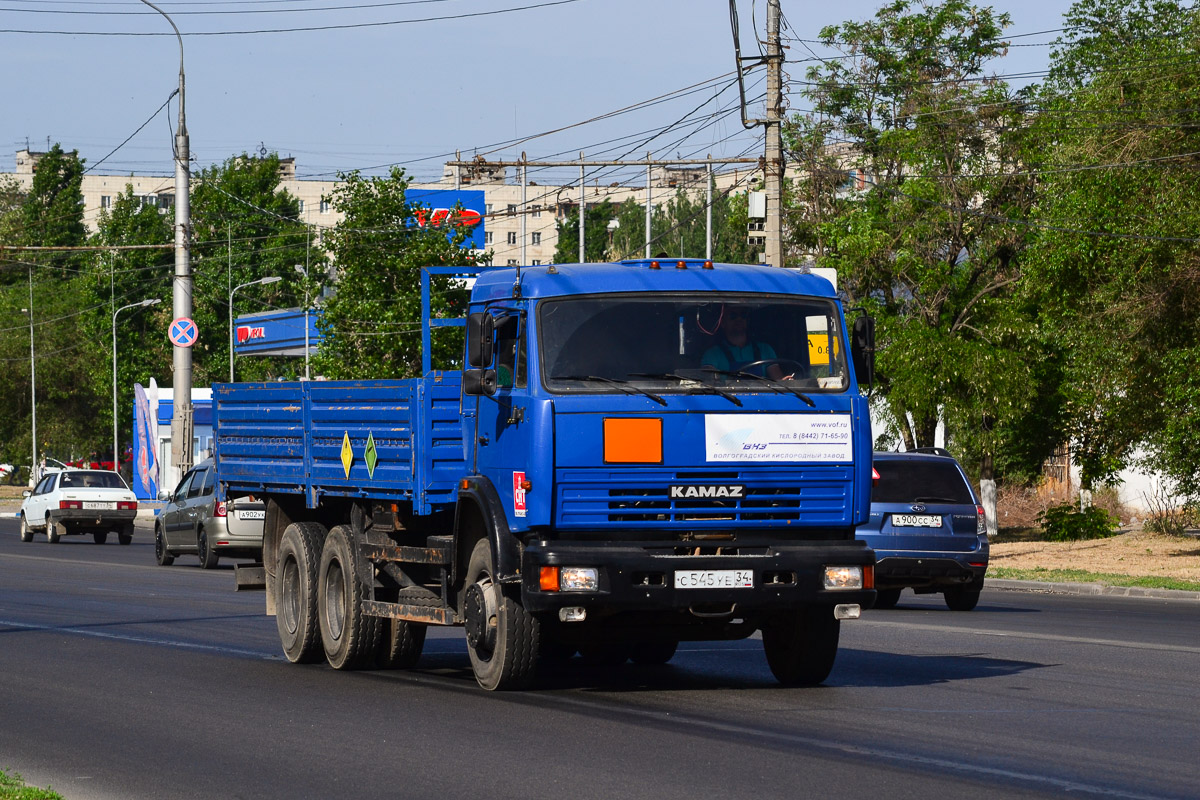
(183, 332)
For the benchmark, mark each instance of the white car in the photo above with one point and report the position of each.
(79, 501)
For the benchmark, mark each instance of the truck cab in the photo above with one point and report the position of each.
(659, 482)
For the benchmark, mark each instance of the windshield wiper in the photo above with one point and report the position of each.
(700, 387)
(935, 500)
(779, 387)
(624, 386)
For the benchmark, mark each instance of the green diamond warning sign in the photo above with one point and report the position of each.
(371, 455)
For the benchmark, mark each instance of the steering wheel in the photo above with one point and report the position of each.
(800, 369)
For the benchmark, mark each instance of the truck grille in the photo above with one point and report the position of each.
(818, 496)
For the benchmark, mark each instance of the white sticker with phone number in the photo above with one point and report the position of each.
(778, 437)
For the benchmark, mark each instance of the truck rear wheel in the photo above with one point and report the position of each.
(402, 641)
(802, 645)
(349, 636)
(502, 637)
(296, 592)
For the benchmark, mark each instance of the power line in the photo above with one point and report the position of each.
(344, 26)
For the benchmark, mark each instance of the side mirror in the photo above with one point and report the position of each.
(481, 330)
(479, 381)
(862, 349)
(164, 495)
(26, 493)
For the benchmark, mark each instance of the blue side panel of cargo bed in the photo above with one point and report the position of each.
(258, 436)
(383, 412)
(291, 437)
(442, 463)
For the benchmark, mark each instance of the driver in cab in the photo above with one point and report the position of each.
(734, 349)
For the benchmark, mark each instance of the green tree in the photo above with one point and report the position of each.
(372, 322)
(597, 218)
(245, 227)
(52, 211)
(117, 278)
(922, 237)
(1116, 264)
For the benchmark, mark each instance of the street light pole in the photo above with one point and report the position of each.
(304, 271)
(33, 466)
(147, 302)
(271, 279)
(181, 417)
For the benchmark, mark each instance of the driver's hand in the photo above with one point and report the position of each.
(791, 377)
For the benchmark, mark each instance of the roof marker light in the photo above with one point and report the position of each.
(708, 265)
(681, 264)
(654, 265)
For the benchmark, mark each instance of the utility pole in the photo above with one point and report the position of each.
(773, 177)
(773, 158)
(182, 421)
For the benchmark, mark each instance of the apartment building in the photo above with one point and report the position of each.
(520, 222)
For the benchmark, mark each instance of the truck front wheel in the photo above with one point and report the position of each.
(502, 637)
(350, 637)
(296, 592)
(801, 645)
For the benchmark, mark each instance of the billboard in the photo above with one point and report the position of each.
(437, 209)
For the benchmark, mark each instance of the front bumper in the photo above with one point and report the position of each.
(641, 576)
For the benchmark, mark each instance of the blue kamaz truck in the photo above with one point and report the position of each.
(634, 455)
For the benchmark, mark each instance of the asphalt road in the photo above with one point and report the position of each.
(122, 679)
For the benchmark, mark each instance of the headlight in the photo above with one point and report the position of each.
(569, 579)
(843, 577)
(578, 579)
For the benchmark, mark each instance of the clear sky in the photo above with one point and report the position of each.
(413, 82)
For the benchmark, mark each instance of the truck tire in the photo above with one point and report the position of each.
(502, 637)
(296, 592)
(204, 549)
(349, 636)
(402, 641)
(161, 554)
(965, 597)
(886, 598)
(802, 645)
(26, 531)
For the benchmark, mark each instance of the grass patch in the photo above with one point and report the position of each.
(1083, 576)
(13, 788)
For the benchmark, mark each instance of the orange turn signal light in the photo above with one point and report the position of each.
(548, 579)
(869, 576)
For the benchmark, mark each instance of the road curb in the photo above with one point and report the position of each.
(1047, 587)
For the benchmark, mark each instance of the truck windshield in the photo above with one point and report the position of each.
(692, 343)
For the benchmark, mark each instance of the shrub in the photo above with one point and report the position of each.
(1063, 523)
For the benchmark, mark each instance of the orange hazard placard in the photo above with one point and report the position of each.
(633, 441)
